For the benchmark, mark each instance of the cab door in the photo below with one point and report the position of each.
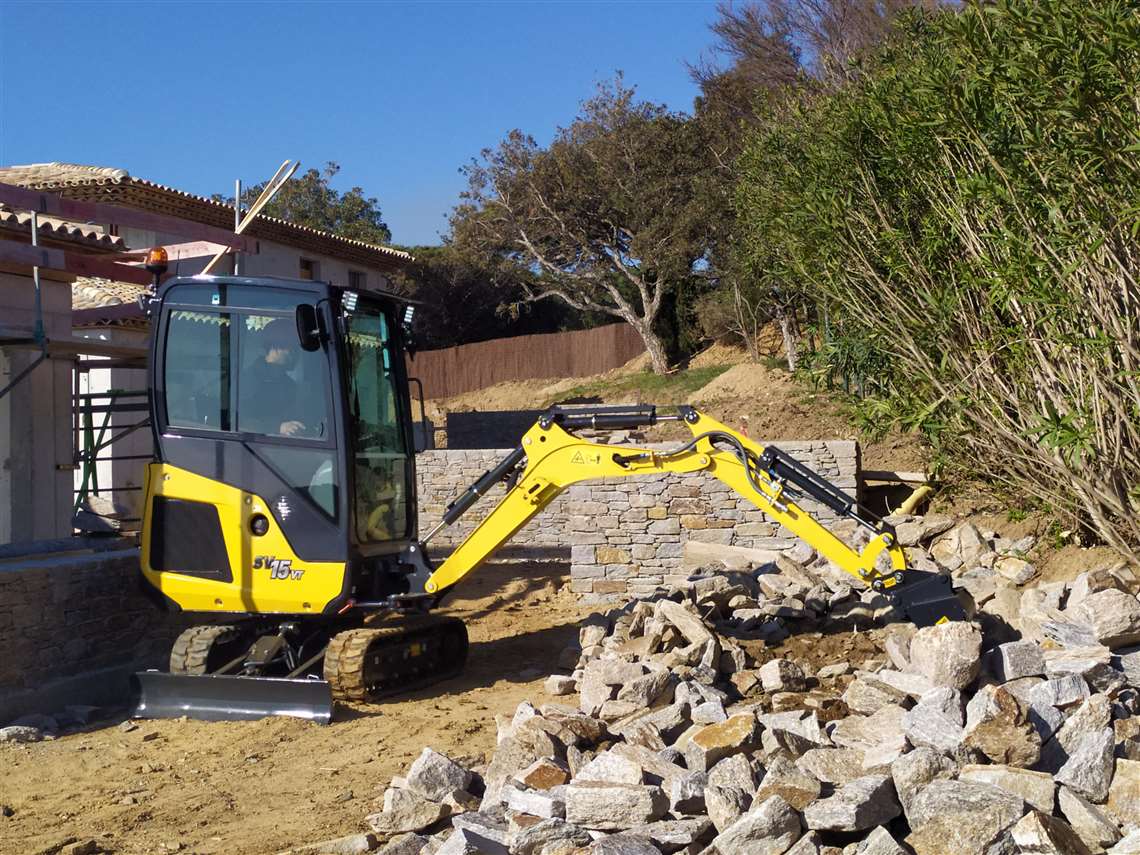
(245, 508)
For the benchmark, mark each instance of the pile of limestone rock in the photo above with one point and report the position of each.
(1018, 732)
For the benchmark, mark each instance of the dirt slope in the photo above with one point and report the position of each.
(760, 399)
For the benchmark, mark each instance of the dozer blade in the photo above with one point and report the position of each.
(220, 698)
(926, 599)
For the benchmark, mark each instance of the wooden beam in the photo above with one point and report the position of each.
(283, 174)
(83, 265)
(177, 251)
(76, 211)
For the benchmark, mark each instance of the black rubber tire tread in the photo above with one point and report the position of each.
(346, 653)
(191, 651)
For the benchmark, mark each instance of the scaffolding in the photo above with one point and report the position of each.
(97, 430)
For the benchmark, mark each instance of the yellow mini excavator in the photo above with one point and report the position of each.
(281, 505)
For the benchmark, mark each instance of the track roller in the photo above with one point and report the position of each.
(374, 662)
(205, 649)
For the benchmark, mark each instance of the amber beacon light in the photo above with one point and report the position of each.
(156, 262)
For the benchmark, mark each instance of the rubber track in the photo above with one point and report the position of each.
(191, 651)
(344, 659)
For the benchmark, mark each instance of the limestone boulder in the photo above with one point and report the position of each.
(613, 807)
(1091, 822)
(998, 726)
(713, 742)
(1015, 660)
(1039, 832)
(434, 775)
(405, 811)
(960, 816)
(1124, 793)
(792, 784)
(1089, 769)
(947, 654)
(550, 836)
(1036, 788)
(860, 805)
(770, 828)
(914, 770)
(1113, 615)
(725, 805)
(782, 675)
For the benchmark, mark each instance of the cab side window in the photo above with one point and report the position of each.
(197, 370)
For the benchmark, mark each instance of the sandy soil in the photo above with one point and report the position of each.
(251, 788)
(248, 788)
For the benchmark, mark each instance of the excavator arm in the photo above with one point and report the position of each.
(551, 458)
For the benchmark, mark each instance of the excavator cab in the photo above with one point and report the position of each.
(282, 496)
(284, 478)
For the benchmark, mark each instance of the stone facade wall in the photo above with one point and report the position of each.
(76, 617)
(629, 534)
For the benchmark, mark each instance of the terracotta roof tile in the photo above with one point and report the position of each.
(102, 183)
(50, 227)
(91, 292)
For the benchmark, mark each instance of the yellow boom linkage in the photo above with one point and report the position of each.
(556, 459)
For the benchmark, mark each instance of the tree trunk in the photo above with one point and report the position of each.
(746, 322)
(791, 332)
(654, 346)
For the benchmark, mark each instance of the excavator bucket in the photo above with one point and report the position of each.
(222, 698)
(926, 599)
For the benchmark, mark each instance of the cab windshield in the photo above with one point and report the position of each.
(380, 454)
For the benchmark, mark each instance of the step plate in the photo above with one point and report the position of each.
(222, 698)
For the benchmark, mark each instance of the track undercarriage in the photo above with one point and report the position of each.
(249, 669)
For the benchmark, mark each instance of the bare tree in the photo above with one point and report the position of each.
(773, 43)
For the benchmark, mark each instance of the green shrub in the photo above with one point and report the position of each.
(967, 215)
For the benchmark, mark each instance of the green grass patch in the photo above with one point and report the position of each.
(644, 386)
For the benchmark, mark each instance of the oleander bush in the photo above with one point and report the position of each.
(961, 222)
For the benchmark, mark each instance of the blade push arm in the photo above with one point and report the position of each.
(555, 459)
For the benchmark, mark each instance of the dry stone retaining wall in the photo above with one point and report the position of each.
(73, 626)
(443, 474)
(629, 534)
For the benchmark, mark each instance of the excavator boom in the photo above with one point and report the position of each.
(551, 458)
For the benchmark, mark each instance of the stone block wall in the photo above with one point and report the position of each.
(629, 534)
(76, 617)
(443, 474)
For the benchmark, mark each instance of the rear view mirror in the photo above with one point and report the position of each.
(308, 328)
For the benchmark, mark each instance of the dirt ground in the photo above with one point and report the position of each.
(250, 788)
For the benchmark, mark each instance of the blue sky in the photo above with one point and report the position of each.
(400, 94)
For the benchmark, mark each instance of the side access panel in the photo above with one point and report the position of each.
(199, 550)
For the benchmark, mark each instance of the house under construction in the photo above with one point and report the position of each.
(73, 406)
